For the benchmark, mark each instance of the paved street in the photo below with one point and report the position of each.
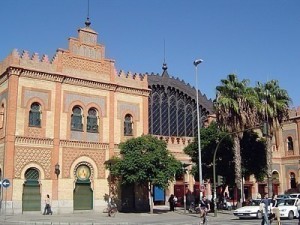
(161, 216)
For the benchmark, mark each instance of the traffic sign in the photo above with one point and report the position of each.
(202, 187)
(5, 183)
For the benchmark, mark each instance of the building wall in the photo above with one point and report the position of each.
(78, 76)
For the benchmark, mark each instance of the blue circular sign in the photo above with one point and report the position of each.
(5, 183)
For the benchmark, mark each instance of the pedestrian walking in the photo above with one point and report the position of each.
(274, 210)
(47, 209)
(265, 209)
(171, 202)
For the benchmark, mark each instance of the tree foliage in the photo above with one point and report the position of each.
(251, 147)
(235, 111)
(146, 159)
(253, 152)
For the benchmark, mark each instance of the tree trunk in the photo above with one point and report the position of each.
(269, 165)
(151, 197)
(238, 165)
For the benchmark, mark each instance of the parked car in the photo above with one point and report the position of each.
(283, 196)
(288, 207)
(295, 195)
(250, 211)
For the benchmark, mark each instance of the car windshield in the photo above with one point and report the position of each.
(285, 202)
(294, 195)
(255, 202)
(284, 196)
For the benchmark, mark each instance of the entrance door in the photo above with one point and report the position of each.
(83, 196)
(31, 197)
(179, 193)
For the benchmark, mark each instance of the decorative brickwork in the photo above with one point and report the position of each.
(25, 155)
(34, 141)
(85, 99)
(124, 107)
(36, 93)
(79, 144)
(102, 67)
(35, 132)
(71, 154)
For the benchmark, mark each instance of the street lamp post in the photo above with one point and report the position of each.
(196, 63)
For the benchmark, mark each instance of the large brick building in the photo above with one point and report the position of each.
(67, 113)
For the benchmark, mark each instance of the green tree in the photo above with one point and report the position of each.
(251, 147)
(273, 109)
(235, 111)
(145, 160)
(253, 155)
(209, 140)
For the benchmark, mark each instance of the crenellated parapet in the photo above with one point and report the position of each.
(172, 140)
(294, 112)
(83, 62)
(29, 61)
(132, 80)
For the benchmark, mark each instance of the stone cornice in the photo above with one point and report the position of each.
(80, 144)
(20, 140)
(56, 77)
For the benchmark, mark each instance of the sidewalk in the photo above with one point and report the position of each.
(161, 215)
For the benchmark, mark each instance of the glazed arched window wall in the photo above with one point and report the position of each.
(173, 113)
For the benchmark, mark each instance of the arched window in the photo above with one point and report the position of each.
(128, 125)
(189, 121)
(32, 174)
(156, 114)
(181, 119)
(76, 119)
(173, 116)
(293, 180)
(92, 121)
(290, 143)
(165, 115)
(35, 115)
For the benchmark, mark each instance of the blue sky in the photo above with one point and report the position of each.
(258, 40)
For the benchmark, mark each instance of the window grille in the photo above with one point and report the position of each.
(92, 121)
(32, 174)
(76, 119)
(128, 129)
(35, 115)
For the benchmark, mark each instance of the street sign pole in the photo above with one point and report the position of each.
(5, 183)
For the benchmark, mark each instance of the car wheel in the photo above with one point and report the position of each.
(291, 215)
(259, 215)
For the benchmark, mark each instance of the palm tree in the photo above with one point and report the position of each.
(235, 111)
(273, 109)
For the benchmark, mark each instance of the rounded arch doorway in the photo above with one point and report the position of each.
(83, 193)
(31, 197)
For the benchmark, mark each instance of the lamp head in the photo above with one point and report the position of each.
(57, 170)
(197, 61)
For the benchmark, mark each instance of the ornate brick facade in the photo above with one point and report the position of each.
(38, 140)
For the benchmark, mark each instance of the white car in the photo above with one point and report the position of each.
(288, 207)
(251, 211)
(295, 195)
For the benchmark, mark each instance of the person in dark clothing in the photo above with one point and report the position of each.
(265, 202)
(171, 202)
